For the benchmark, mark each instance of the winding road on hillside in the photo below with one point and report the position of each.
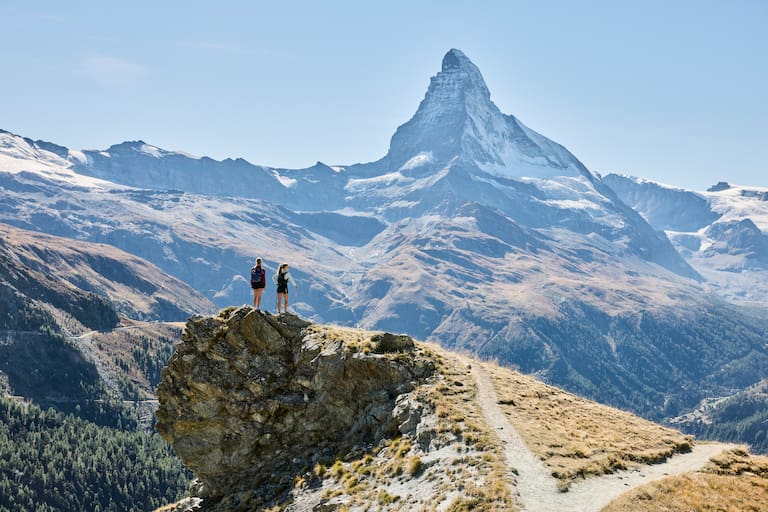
(537, 490)
(85, 343)
(7, 334)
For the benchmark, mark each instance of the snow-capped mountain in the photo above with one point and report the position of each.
(473, 230)
(458, 120)
(142, 165)
(721, 232)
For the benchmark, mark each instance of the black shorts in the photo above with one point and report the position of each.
(282, 288)
(257, 287)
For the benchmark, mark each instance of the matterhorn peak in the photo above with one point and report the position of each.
(455, 62)
(457, 121)
(461, 81)
(455, 59)
(440, 120)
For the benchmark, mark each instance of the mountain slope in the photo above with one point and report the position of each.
(77, 376)
(722, 233)
(144, 166)
(473, 231)
(56, 269)
(53, 293)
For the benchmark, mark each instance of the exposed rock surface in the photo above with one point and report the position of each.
(249, 400)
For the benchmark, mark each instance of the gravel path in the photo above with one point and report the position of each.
(537, 489)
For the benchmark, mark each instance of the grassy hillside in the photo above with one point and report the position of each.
(577, 438)
(92, 282)
(734, 481)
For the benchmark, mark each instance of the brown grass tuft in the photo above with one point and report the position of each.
(576, 437)
(701, 492)
(738, 462)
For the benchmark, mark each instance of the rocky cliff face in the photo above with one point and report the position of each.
(249, 400)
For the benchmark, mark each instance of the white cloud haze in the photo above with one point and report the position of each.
(113, 72)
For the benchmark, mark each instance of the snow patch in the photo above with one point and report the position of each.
(357, 184)
(80, 157)
(417, 161)
(152, 151)
(284, 180)
(469, 223)
(186, 155)
(738, 203)
(404, 204)
(17, 156)
(508, 160)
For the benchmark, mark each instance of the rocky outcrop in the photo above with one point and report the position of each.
(250, 400)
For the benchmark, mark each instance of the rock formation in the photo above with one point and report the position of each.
(250, 400)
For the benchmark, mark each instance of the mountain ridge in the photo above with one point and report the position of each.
(722, 232)
(547, 273)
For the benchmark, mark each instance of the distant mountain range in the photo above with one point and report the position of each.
(722, 232)
(473, 230)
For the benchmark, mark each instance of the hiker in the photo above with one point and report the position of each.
(281, 279)
(258, 282)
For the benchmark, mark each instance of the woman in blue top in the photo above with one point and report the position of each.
(281, 279)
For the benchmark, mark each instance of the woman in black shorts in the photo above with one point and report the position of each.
(281, 279)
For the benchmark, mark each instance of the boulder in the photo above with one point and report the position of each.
(250, 400)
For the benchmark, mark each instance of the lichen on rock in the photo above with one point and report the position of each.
(250, 400)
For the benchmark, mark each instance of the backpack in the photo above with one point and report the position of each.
(281, 279)
(257, 276)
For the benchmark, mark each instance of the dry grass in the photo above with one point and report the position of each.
(576, 437)
(734, 481)
(399, 474)
(481, 480)
(357, 340)
(738, 462)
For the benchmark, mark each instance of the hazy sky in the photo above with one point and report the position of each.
(674, 91)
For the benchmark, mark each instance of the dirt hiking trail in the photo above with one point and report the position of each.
(537, 490)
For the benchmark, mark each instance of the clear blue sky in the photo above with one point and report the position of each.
(674, 91)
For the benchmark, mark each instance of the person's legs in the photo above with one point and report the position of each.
(257, 297)
(280, 299)
(285, 305)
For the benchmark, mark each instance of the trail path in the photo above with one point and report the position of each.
(85, 341)
(537, 489)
